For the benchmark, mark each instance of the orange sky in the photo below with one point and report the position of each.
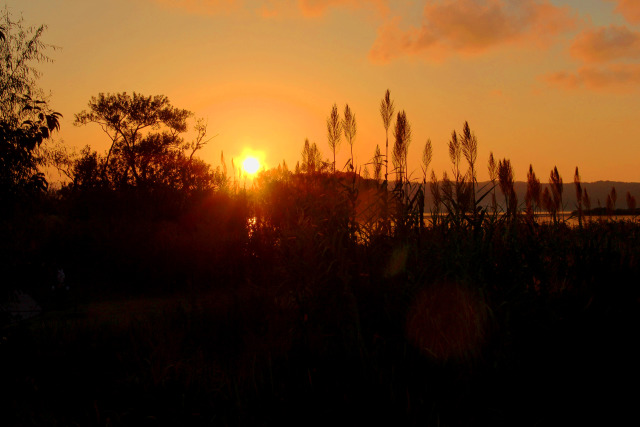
(547, 82)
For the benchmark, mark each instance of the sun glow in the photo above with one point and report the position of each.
(251, 165)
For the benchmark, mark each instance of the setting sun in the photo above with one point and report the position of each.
(251, 165)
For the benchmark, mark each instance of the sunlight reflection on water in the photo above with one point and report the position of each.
(252, 223)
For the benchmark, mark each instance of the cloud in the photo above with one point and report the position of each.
(630, 9)
(314, 8)
(275, 8)
(472, 27)
(212, 7)
(616, 77)
(606, 44)
(610, 58)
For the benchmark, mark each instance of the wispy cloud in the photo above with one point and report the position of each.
(630, 9)
(313, 8)
(606, 44)
(275, 8)
(609, 55)
(471, 27)
(612, 77)
(203, 6)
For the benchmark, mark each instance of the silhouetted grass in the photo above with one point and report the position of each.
(312, 312)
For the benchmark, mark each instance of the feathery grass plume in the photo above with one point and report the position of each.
(447, 192)
(454, 155)
(437, 199)
(233, 173)
(548, 204)
(506, 181)
(366, 174)
(386, 112)
(614, 197)
(462, 193)
(578, 184)
(400, 148)
(334, 132)
(311, 158)
(349, 128)
(493, 169)
(610, 205)
(586, 200)
(555, 181)
(377, 164)
(224, 165)
(493, 175)
(532, 197)
(427, 154)
(494, 203)
(631, 203)
(469, 145)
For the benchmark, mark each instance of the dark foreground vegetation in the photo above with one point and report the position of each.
(315, 297)
(203, 316)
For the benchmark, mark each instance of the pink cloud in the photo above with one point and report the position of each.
(612, 77)
(606, 44)
(472, 27)
(630, 9)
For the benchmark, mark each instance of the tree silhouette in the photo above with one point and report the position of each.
(19, 162)
(146, 147)
(20, 50)
(25, 118)
(334, 131)
(125, 118)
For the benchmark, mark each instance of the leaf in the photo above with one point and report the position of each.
(52, 121)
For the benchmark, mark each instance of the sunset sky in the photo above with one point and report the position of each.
(546, 82)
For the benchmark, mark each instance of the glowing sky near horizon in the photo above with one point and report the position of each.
(546, 82)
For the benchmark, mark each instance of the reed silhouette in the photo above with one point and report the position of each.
(349, 127)
(319, 291)
(334, 132)
(386, 112)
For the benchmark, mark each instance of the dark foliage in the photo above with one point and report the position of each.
(280, 306)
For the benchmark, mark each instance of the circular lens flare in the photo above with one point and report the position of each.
(251, 165)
